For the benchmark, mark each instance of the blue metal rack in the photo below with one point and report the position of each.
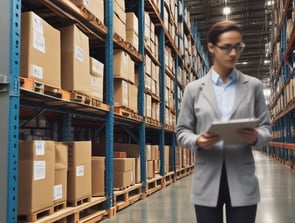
(141, 26)
(109, 184)
(9, 101)
(10, 37)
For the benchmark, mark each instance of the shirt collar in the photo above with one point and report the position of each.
(217, 80)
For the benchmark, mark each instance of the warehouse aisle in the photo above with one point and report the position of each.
(172, 204)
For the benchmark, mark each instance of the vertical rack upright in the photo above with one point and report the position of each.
(9, 101)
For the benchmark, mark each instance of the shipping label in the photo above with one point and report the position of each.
(79, 53)
(37, 71)
(39, 169)
(80, 170)
(57, 192)
(40, 148)
(39, 42)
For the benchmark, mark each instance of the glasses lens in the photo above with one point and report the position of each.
(240, 47)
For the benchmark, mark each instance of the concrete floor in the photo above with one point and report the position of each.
(172, 204)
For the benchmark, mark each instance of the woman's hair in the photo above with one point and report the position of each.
(220, 27)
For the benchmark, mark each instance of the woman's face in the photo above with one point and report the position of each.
(226, 51)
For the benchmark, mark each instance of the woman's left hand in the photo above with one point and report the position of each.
(249, 135)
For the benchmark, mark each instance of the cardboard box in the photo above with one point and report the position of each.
(123, 179)
(98, 175)
(96, 87)
(119, 20)
(75, 60)
(121, 63)
(132, 22)
(124, 164)
(35, 176)
(79, 170)
(121, 93)
(132, 38)
(40, 50)
(96, 7)
(60, 175)
(133, 97)
(120, 154)
(96, 67)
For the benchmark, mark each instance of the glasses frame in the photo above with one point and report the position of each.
(227, 49)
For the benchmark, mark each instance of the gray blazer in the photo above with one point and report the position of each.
(198, 110)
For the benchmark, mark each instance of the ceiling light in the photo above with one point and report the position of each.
(226, 10)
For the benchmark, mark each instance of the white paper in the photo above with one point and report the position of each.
(39, 148)
(39, 42)
(37, 71)
(79, 53)
(80, 170)
(39, 169)
(57, 192)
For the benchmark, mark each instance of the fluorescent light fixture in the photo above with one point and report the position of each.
(266, 61)
(226, 10)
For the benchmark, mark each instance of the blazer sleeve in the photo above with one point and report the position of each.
(261, 111)
(186, 124)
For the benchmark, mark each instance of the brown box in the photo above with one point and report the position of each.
(60, 176)
(121, 63)
(121, 93)
(96, 67)
(98, 175)
(75, 60)
(132, 22)
(40, 50)
(123, 179)
(96, 87)
(150, 171)
(132, 97)
(132, 38)
(124, 164)
(120, 154)
(96, 7)
(35, 176)
(79, 170)
(119, 19)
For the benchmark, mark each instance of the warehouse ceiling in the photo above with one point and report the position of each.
(254, 17)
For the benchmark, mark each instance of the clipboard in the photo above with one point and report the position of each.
(228, 130)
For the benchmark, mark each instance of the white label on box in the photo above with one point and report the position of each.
(37, 24)
(86, 2)
(79, 53)
(39, 169)
(57, 192)
(40, 148)
(80, 170)
(37, 71)
(39, 42)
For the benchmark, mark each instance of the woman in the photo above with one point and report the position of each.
(224, 174)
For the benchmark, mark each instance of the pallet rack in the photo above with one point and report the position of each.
(15, 97)
(282, 76)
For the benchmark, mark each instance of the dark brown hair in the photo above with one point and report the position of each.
(221, 27)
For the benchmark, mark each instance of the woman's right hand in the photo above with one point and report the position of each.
(207, 140)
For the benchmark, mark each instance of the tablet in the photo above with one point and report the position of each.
(228, 130)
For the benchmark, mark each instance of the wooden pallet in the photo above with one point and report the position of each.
(99, 104)
(33, 217)
(80, 201)
(127, 196)
(90, 212)
(168, 179)
(80, 97)
(153, 185)
(40, 87)
(59, 206)
(122, 111)
(118, 38)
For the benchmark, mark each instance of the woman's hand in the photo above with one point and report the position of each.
(207, 140)
(249, 135)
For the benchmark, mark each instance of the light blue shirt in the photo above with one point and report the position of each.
(225, 93)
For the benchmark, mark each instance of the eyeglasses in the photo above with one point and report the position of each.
(228, 48)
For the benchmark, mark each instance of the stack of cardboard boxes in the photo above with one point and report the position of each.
(52, 173)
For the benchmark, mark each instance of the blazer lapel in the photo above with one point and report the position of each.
(209, 94)
(241, 91)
